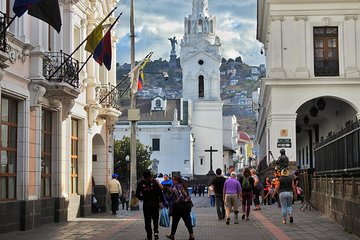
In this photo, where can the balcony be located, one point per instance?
(3, 44)
(62, 75)
(109, 99)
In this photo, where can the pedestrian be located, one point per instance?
(232, 190)
(230, 170)
(181, 204)
(298, 192)
(115, 192)
(195, 190)
(124, 199)
(218, 185)
(166, 182)
(149, 191)
(257, 189)
(286, 189)
(247, 188)
(267, 191)
(211, 195)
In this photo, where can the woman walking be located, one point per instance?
(286, 189)
(247, 185)
(181, 207)
(267, 191)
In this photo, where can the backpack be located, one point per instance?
(246, 184)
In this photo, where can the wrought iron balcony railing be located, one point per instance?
(3, 45)
(68, 72)
(109, 96)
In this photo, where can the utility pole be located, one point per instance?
(133, 116)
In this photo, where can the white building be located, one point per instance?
(309, 96)
(55, 133)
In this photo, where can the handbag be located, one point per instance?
(193, 219)
(298, 190)
(164, 218)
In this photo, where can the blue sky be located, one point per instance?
(158, 20)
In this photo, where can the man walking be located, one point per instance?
(218, 185)
(115, 192)
(149, 191)
(232, 190)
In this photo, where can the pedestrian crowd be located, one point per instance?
(229, 193)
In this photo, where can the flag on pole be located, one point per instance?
(45, 10)
(102, 53)
(94, 38)
(141, 80)
(135, 74)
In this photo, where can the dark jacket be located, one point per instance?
(150, 193)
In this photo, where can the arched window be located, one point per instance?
(201, 86)
(158, 103)
(211, 26)
(200, 26)
(189, 27)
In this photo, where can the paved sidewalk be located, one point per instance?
(264, 224)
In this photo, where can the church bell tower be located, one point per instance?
(200, 61)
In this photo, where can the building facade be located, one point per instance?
(56, 135)
(308, 102)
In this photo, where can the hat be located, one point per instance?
(115, 175)
(233, 174)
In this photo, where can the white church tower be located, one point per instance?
(200, 62)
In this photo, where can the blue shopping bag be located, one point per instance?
(164, 218)
(193, 219)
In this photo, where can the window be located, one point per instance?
(74, 156)
(46, 143)
(326, 62)
(201, 86)
(158, 103)
(155, 144)
(8, 167)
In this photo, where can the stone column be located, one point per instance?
(301, 69)
(282, 129)
(351, 69)
(276, 68)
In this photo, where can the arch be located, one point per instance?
(200, 26)
(189, 27)
(158, 103)
(201, 86)
(99, 158)
(211, 26)
(311, 96)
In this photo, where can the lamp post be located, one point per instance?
(127, 159)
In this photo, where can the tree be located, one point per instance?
(122, 149)
(238, 59)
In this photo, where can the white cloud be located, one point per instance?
(157, 20)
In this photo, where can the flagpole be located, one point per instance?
(77, 48)
(133, 117)
(8, 25)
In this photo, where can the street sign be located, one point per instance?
(284, 143)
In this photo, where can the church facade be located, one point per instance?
(197, 127)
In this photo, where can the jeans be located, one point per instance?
(212, 200)
(220, 208)
(286, 202)
(151, 213)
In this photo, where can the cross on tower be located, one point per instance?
(211, 150)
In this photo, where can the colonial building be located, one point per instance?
(56, 134)
(309, 101)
